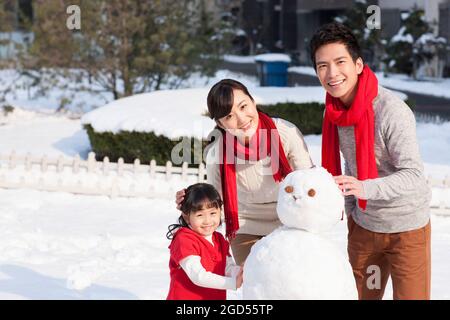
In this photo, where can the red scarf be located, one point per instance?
(266, 141)
(360, 115)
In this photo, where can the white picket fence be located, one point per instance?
(100, 169)
(111, 187)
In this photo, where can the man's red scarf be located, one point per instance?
(265, 142)
(360, 115)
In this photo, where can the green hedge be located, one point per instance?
(147, 146)
(306, 116)
(144, 146)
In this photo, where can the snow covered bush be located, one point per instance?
(413, 45)
(146, 146)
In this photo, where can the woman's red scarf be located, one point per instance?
(360, 115)
(265, 142)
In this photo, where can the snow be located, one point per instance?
(322, 271)
(64, 246)
(266, 57)
(118, 246)
(436, 87)
(303, 70)
(430, 37)
(26, 96)
(26, 131)
(273, 57)
(239, 59)
(402, 37)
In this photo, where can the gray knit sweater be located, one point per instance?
(399, 199)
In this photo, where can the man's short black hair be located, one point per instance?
(331, 33)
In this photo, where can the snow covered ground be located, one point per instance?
(64, 246)
(81, 247)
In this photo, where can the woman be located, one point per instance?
(250, 156)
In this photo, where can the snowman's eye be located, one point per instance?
(311, 192)
(289, 189)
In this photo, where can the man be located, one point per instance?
(387, 197)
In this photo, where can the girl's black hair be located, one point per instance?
(197, 197)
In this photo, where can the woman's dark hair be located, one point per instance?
(331, 33)
(197, 197)
(220, 97)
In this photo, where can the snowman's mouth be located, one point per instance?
(295, 198)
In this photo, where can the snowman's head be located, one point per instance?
(310, 200)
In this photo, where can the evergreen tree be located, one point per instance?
(125, 46)
(6, 26)
(413, 44)
(355, 17)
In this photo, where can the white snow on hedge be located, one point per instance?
(266, 57)
(273, 57)
(238, 59)
(177, 113)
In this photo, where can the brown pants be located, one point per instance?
(241, 245)
(404, 256)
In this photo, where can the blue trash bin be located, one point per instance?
(273, 69)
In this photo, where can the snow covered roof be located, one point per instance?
(177, 113)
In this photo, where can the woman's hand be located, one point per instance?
(240, 278)
(179, 198)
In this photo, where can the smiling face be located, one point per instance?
(337, 71)
(310, 200)
(203, 222)
(242, 121)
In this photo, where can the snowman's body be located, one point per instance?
(296, 261)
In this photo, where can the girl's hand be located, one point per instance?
(179, 198)
(240, 278)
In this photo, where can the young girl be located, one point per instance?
(201, 267)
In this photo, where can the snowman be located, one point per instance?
(295, 261)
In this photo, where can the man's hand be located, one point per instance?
(350, 186)
(179, 198)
